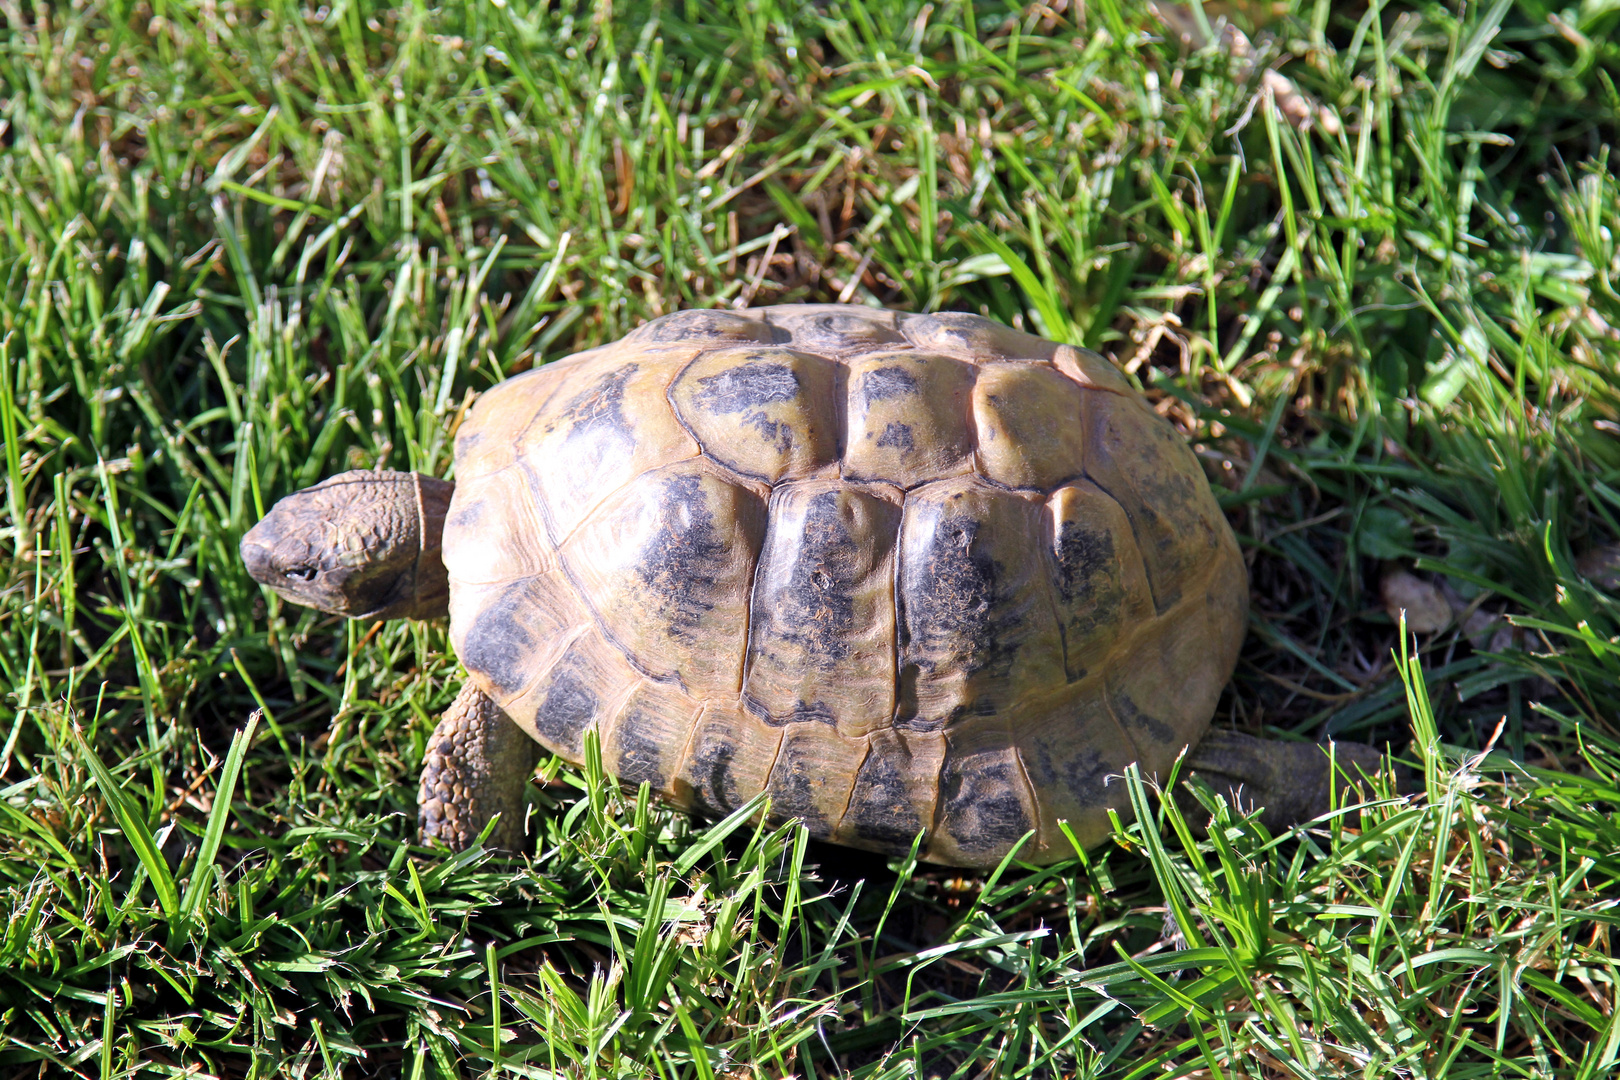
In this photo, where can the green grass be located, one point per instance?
(246, 247)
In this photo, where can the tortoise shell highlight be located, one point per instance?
(903, 572)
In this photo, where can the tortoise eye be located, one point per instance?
(301, 573)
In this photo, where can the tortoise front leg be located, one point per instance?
(477, 765)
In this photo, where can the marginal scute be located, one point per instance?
(974, 338)
(644, 737)
(607, 426)
(909, 418)
(486, 441)
(837, 329)
(1102, 588)
(821, 642)
(978, 621)
(895, 792)
(1029, 425)
(571, 690)
(985, 805)
(726, 763)
(1074, 754)
(814, 772)
(1134, 455)
(569, 695)
(1165, 689)
(706, 326)
(666, 565)
(1090, 370)
(509, 633)
(765, 413)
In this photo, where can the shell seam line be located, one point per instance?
(686, 747)
(1034, 800)
(855, 781)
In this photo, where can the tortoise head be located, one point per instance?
(363, 544)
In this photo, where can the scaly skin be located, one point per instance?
(1288, 779)
(476, 766)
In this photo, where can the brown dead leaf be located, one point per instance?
(1425, 606)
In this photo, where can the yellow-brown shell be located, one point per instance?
(903, 572)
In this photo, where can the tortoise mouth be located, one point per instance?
(286, 563)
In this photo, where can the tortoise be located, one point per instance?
(904, 573)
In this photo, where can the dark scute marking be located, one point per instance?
(776, 434)
(950, 601)
(905, 702)
(880, 809)
(805, 712)
(714, 787)
(466, 516)
(1137, 720)
(897, 435)
(883, 383)
(1088, 590)
(569, 706)
(1081, 555)
(681, 563)
(815, 607)
(640, 758)
(1083, 774)
(791, 791)
(498, 645)
(983, 812)
(802, 712)
(746, 386)
(598, 408)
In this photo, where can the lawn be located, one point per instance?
(1363, 255)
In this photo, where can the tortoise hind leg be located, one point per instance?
(477, 765)
(1290, 780)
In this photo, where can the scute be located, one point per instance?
(1029, 422)
(1102, 588)
(602, 429)
(985, 803)
(1090, 370)
(706, 326)
(1165, 690)
(727, 762)
(902, 573)
(665, 565)
(814, 772)
(895, 792)
(974, 337)
(909, 418)
(978, 622)
(837, 329)
(768, 414)
(644, 736)
(1137, 458)
(821, 639)
(1074, 753)
(494, 531)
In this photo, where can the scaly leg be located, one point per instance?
(1289, 779)
(477, 765)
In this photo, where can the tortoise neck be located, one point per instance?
(430, 580)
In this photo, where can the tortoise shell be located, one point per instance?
(901, 572)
